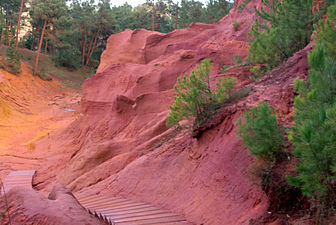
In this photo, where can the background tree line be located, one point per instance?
(75, 32)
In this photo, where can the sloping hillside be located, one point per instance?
(30, 109)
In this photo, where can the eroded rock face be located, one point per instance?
(27, 206)
(120, 144)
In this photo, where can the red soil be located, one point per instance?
(30, 109)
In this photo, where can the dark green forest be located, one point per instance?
(75, 32)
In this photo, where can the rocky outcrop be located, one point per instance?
(120, 144)
(25, 206)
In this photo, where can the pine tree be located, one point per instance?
(291, 25)
(314, 132)
(14, 58)
(195, 98)
(46, 11)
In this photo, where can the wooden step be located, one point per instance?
(149, 220)
(123, 211)
(107, 202)
(18, 178)
(110, 209)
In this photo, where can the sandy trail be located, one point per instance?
(30, 109)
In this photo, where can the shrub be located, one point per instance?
(224, 69)
(237, 59)
(67, 56)
(195, 99)
(235, 25)
(258, 72)
(261, 133)
(43, 75)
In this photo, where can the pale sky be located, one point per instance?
(137, 2)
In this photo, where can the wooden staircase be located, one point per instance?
(21, 178)
(111, 210)
(120, 211)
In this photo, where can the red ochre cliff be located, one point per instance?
(119, 143)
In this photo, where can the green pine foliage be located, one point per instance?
(261, 133)
(314, 132)
(287, 28)
(14, 59)
(195, 99)
(67, 56)
(235, 25)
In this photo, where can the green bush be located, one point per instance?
(235, 25)
(237, 59)
(261, 133)
(14, 59)
(67, 56)
(314, 132)
(224, 69)
(195, 99)
(258, 72)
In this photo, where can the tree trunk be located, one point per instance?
(176, 17)
(158, 24)
(33, 39)
(197, 13)
(153, 18)
(89, 49)
(53, 47)
(92, 47)
(39, 48)
(83, 49)
(18, 26)
(46, 42)
(1, 27)
(7, 24)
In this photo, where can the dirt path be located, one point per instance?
(29, 110)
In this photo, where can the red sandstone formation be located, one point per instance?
(120, 144)
(30, 207)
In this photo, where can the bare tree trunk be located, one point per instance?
(91, 48)
(18, 26)
(33, 39)
(153, 18)
(46, 42)
(53, 47)
(83, 49)
(197, 13)
(1, 31)
(39, 48)
(7, 24)
(176, 17)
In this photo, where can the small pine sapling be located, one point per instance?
(261, 132)
(195, 100)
